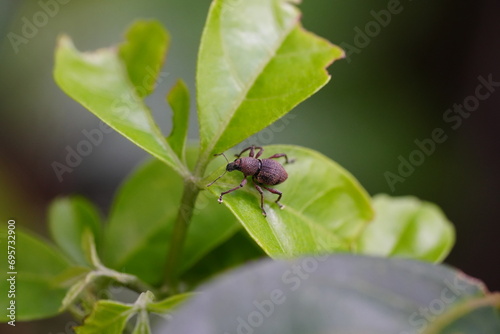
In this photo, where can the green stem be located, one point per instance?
(76, 312)
(139, 286)
(191, 191)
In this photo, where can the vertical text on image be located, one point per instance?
(11, 271)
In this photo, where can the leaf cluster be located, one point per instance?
(256, 63)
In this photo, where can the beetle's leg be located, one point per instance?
(259, 189)
(277, 192)
(279, 155)
(251, 154)
(246, 149)
(260, 151)
(242, 184)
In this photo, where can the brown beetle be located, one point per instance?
(264, 172)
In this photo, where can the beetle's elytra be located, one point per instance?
(264, 172)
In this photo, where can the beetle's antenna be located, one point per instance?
(216, 155)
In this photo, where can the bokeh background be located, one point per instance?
(394, 91)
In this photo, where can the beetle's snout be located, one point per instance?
(235, 165)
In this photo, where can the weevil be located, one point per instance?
(264, 172)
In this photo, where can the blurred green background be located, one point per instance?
(394, 91)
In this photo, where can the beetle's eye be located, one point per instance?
(235, 165)
(230, 167)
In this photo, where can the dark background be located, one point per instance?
(393, 92)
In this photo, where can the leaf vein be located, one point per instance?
(246, 88)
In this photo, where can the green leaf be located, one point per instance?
(107, 317)
(169, 304)
(178, 99)
(141, 222)
(143, 54)
(70, 276)
(255, 64)
(100, 82)
(472, 316)
(37, 264)
(407, 227)
(326, 208)
(338, 294)
(68, 219)
(111, 317)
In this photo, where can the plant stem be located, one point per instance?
(76, 312)
(189, 195)
(139, 286)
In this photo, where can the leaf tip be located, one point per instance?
(63, 40)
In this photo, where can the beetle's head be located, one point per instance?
(235, 165)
